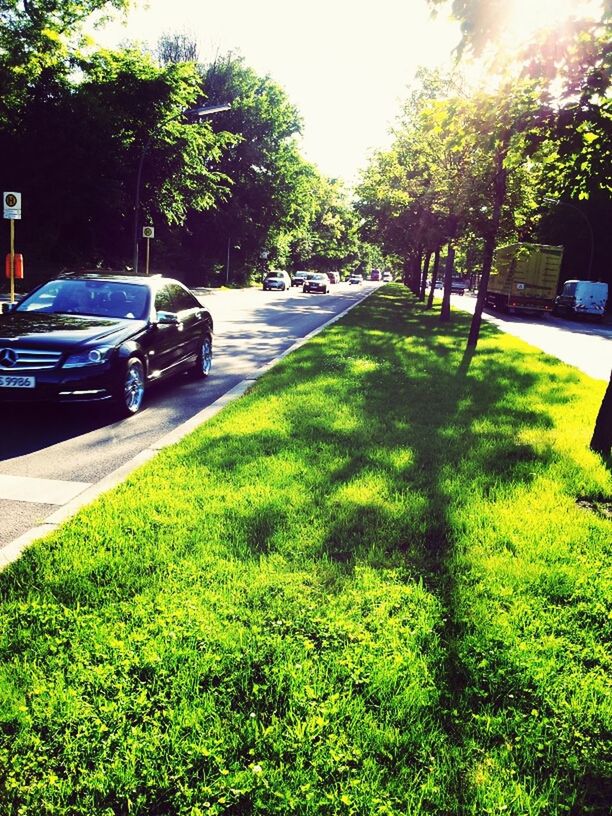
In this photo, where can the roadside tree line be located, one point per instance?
(228, 195)
(472, 167)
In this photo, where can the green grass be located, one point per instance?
(368, 587)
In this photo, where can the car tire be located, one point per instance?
(204, 360)
(130, 393)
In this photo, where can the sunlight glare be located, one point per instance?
(524, 18)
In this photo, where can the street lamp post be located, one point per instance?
(558, 203)
(192, 112)
(227, 263)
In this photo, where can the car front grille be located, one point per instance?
(17, 359)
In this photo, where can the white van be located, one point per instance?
(582, 298)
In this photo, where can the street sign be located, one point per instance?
(12, 206)
(148, 232)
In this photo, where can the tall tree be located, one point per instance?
(177, 47)
(269, 177)
(38, 38)
(78, 172)
(329, 238)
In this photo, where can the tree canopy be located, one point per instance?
(93, 133)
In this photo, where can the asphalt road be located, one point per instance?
(48, 455)
(581, 343)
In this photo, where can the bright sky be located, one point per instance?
(345, 64)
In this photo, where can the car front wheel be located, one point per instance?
(132, 388)
(204, 359)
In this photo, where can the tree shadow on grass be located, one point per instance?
(389, 443)
(466, 423)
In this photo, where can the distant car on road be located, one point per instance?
(297, 279)
(458, 286)
(387, 277)
(316, 282)
(277, 280)
(356, 278)
(101, 337)
(375, 275)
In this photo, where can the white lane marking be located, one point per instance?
(39, 491)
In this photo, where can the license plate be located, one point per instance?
(14, 381)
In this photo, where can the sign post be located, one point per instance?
(12, 211)
(148, 233)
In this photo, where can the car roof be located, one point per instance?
(119, 277)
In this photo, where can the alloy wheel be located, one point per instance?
(133, 386)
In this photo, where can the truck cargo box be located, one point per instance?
(524, 278)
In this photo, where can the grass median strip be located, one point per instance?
(372, 586)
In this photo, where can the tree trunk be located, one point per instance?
(445, 313)
(415, 274)
(501, 180)
(406, 272)
(434, 277)
(424, 274)
(602, 435)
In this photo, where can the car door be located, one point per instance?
(567, 297)
(180, 324)
(193, 323)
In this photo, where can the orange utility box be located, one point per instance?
(18, 266)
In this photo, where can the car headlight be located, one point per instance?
(89, 357)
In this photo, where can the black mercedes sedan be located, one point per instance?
(95, 337)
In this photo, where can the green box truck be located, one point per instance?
(524, 278)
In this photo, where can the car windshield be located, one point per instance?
(98, 298)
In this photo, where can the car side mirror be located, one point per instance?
(7, 307)
(167, 318)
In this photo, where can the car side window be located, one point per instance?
(174, 298)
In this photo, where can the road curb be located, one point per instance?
(12, 551)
